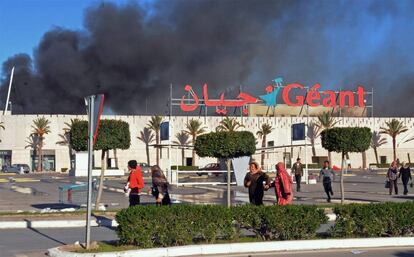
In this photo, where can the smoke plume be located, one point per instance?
(132, 53)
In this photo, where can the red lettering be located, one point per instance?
(285, 95)
(361, 93)
(313, 94)
(330, 100)
(342, 98)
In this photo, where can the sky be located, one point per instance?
(138, 48)
(23, 22)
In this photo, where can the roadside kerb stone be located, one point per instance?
(245, 248)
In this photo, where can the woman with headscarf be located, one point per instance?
(405, 175)
(283, 185)
(159, 187)
(392, 177)
(257, 181)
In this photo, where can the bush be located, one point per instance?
(374, 220)
(231, 144)
(151, 226)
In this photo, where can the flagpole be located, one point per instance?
(8, 92)
(90, 103)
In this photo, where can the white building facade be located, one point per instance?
(15, 144)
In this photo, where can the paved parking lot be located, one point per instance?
(40, 191)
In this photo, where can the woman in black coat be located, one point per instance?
(405, 175)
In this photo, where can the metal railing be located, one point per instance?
(75, 194)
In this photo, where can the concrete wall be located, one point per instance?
(18, 128)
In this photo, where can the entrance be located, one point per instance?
(5, 158)
(48, 161)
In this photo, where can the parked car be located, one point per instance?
(16, 168)
(144, 167)
(210, 166)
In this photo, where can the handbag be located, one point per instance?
(411, 184)
(387, 184)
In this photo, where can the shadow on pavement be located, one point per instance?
(54, 206)
(43, 234)
(405, 254)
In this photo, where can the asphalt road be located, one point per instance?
(35, 242)
(389, 252)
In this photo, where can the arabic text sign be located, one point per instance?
(313, 97)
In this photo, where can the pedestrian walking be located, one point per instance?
(283, 185)
(135, 183)
(392, 177)
(159, 187)
(257, 181)
(327, 176)
(297, 169)
(405, 175)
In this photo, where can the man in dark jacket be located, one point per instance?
(297, 169)
(405, 175)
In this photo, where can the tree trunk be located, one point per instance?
(101, 179)
(183, 157)
(70, 157)
(342, 180)
(376, 155)
(116, 158)
(228, 162)
(263, 151)
(157, 148)
(393, 148)
(193, 161)
(313, 148)
(364, 160)
(330, 158)
(147, 152)
(40, 153)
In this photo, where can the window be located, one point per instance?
(270, 143)
(383, 159)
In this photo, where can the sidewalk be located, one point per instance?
(57, 220)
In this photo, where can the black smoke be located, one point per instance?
(132, 53)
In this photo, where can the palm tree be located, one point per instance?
(194, 128)
(326, 121)
(40, 128)
(155, 125)
(265, 130)
(313, 133)
(377, 141)
(65, 138)
(393, 129)
(2, 126)
(32, 143)
(229, 124)
(182, 140)
(147, 137)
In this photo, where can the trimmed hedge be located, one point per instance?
(151, 226)
(374, 220)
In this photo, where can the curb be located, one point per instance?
(56, 224)
(242, 248)
(75, 223)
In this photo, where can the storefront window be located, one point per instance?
(5, 158)
(48, 160)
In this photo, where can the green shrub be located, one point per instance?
(184, 168)
(151, 226)
(280, 223)
(374, 220)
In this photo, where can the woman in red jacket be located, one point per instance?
(283, 185)
(135, 181)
